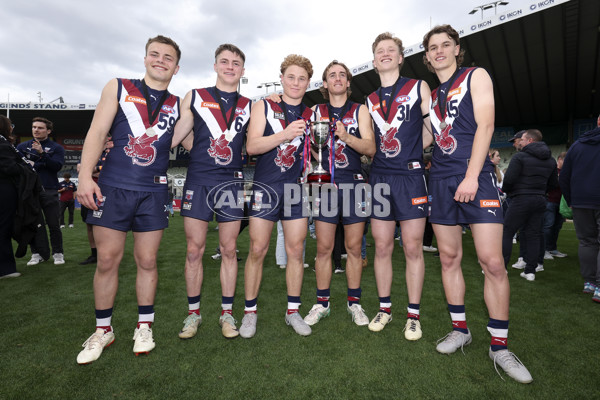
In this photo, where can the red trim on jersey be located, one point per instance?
(324, 111)
(457, 82)
(306, 115)
(276, 109)
(205, 95)
(142, 109)
(404, 90)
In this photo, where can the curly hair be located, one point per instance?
(298, 60)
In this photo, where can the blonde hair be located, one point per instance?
(298, 60)
(388, 36)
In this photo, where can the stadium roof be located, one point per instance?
(544, 59)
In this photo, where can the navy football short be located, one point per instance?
(398, 197)
(130, 210)
(226, 201)
(485, 208)
(349, 202)
(280, 201)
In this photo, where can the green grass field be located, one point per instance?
(48, 312)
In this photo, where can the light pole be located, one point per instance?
(266, 85)
(487, 6)
(244, 81)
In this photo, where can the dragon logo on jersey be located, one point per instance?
(141, 150)
(445, 141)
(285, 157)
(390, 146)
(219, 150)
(341, 159)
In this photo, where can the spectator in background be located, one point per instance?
(428, 234)
(520, 264)
(365, 166)
(553, 221)
(530, 174)
(67, 199)
(495, 159)
(280, 253)
(9, 178)
(581, 187)
(170, 205)
(47, 158)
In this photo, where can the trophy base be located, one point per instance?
(319, 178)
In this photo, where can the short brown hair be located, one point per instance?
(49, 124)
(534, 134)
(232, 48)
(322, 89)
(165, 40)
(298, 60)
(448, 30)
(388, 36)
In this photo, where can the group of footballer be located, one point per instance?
(399, 120)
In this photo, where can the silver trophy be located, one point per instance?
(319, 135)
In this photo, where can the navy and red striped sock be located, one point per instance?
(499, 331)
(385, 304)
(459, 318)
(354, 296)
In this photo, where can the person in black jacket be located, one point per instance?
(581, 187)
(47, 158)
(530, 174)
(9, 175)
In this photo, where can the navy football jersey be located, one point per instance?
(399, 138)
(284, 163)
(140, 157)
(454, 143)
(217, 152)
(347, 160)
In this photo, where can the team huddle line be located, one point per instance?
(399, 120)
